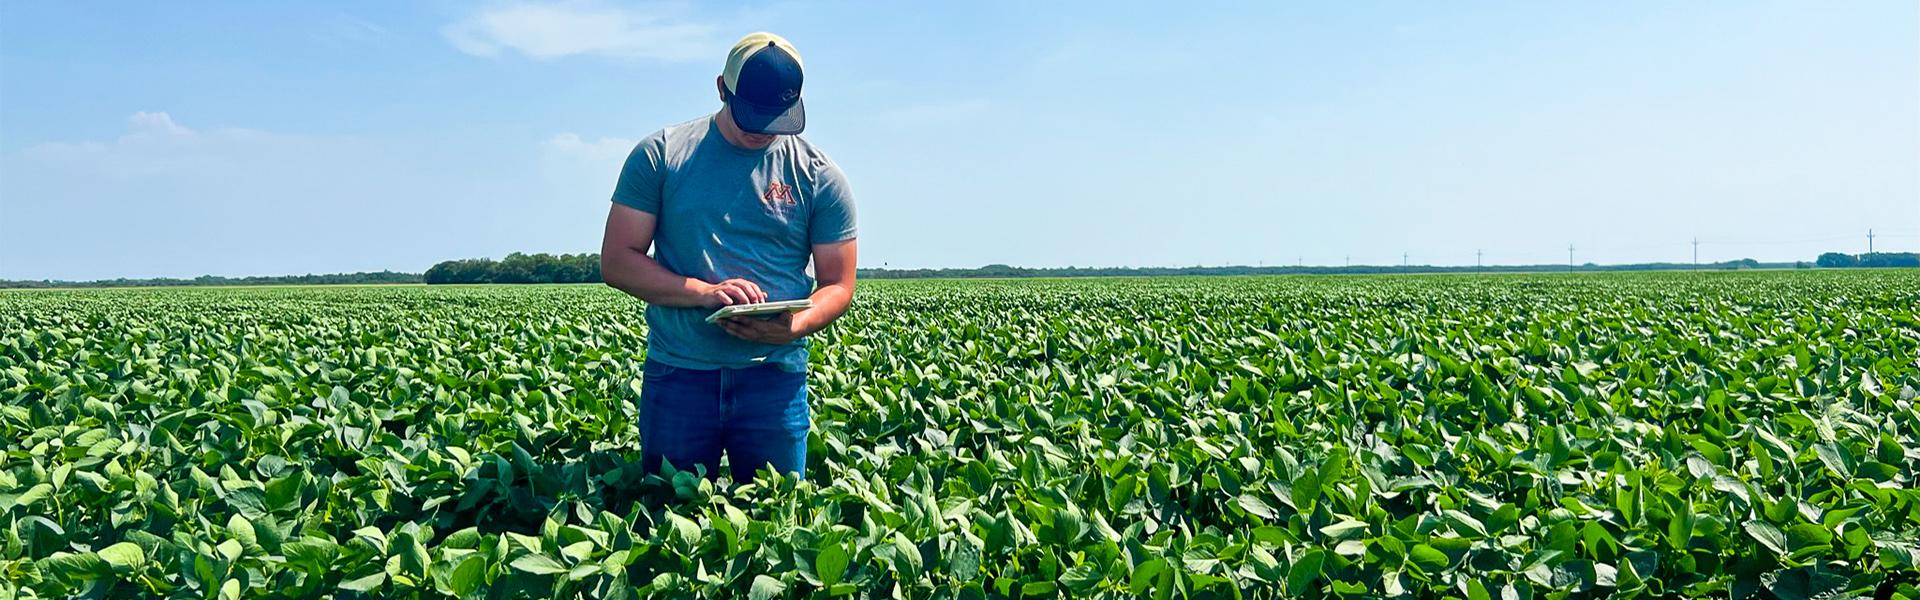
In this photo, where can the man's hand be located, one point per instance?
(731, 292)
(778, 330)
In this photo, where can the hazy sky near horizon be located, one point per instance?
(248, 138)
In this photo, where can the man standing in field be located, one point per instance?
(733, 204)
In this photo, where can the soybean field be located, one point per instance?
(1724, 434)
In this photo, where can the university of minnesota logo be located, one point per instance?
(778, 194)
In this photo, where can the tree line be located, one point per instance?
(1836, 260)
(519, 268)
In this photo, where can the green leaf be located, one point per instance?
(1081, 578)
(123, 557)
(1808, 540)
(248, 502)
(538, 564)
(1835, 459)
(1306, 490)
(365, 583)
(231, 550)
(284, 493)
(1477, 590)
(1503, 518)
(310, 552)
(1255, 506)
(26, 498)
(684, 530)
(830, 564)
(1144, 576)
(468, 576)
(1305, 570)
(1033, 589)
(73, 566)
(239, 528)
(1769, 536)
(765, 588)
(1465, 524)
(1428, 558)
(1344, 529)
(907, 557)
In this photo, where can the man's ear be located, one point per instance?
(720, 82)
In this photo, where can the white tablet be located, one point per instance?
(763, 308)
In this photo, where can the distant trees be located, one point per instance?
(1890, 259)
(519, 268)
(1836, 260)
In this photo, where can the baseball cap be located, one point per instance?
(763, 79)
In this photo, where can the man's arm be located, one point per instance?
(834, 266)
(625, 266)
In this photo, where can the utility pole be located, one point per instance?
(1569, 257)
(1349, 260)
(1696, 251)
(1403, 260)
(1869, 241)
(1476, 259)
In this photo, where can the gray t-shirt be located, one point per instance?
(725, 212)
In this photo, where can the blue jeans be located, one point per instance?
(757, 415)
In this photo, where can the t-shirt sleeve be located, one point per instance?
(643, 176)
(832, 205)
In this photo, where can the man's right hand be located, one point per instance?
(731, 292)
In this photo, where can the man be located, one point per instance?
(733, 204)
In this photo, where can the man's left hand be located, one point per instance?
(777, 330)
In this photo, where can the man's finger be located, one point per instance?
(753, 292)
(753, 289)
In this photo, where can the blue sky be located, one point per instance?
(161, 139)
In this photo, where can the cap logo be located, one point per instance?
(789, 95)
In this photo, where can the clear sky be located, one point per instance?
(145, 139)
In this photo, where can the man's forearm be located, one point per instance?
(642, 277)
(829, 302)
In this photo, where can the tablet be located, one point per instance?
(763, 308)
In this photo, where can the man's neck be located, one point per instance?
(733, 134)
